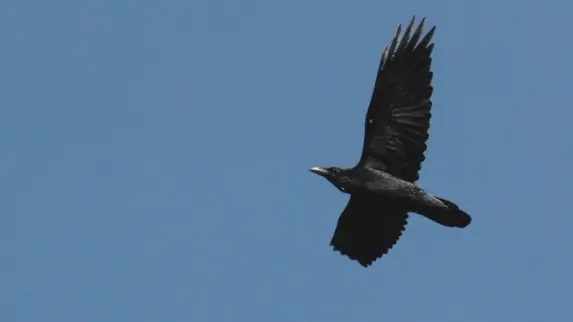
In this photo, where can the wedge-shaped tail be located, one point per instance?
(451, 216)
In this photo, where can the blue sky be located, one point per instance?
(155, 155)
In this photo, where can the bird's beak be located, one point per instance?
(318, 170)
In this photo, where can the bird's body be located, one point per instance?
(382, 185)
(372, 181)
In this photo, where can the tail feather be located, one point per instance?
(453, 217)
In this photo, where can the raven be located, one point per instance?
(382, 185)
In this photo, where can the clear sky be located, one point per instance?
(155, 154)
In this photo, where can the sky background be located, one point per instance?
(155, 154)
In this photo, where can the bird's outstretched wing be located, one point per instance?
(398, 118)
(368, 228)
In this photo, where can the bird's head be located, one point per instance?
(337, 176)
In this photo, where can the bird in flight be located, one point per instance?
(382, 186)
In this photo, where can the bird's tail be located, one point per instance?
(453, 216)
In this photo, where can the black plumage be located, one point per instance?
(382, 185)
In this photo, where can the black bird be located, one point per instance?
(382, 185)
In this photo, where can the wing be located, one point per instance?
(398, 117)
(367, 229)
